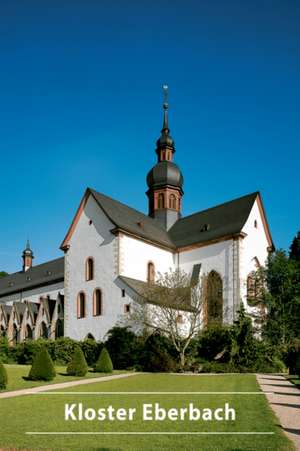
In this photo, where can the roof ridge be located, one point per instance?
(218, 205)
(153, 220)
(32, 267)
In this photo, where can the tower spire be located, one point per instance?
(166, 107)
(165, 146)
(165, 179)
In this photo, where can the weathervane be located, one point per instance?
(166, 96)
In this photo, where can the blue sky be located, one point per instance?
(80, 105)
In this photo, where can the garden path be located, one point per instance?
(62, 385)
(284, 399)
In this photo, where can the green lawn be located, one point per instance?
(16, 373)
(45, 413)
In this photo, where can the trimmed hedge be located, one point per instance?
(77, 366)
(42, 367)
(104, 363)
(3, 377)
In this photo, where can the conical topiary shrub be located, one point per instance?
(77, 365)
(104, 363)
(3, 377)
(42, 367)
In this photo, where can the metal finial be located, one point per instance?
(166, 96)
(27, 244)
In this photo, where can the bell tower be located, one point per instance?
(165, 180)
(27, 257)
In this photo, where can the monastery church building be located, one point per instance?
(112, 250)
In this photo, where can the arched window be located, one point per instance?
(214, 298)
(255, 287)
(172, 201)
(90, 337)
(97, 302)
(16, 335)
(89, 269)
(151, 272)
(59, 328)
(81, 305)
(28, 332)
(44, 330)
(161, 201)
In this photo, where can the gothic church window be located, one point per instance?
(214, 298)
(254, 287)
(89, 269)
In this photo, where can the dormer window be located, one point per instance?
(205, 228)
(89, 269)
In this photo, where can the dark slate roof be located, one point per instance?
(133, 221)
(140, 289)
(213, 223)
(40, 275)
(223, 220)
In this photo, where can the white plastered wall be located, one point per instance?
(136, 254)
(93, 240)
(254, 246)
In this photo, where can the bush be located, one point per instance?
(104, 363)
(157, 355)
(77, 366)
(123, 347)
(3, 377)
(91, 350)
(291, 354)
(62, 349)
(4, 350)
(213, 340)
(42, 367)
(23, 353)
(297, 365)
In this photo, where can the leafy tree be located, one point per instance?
(3, 377)
(42, 367)
(243, 352)
(3, 274)
(172, 306)
(295, 248)
(77, 366)
(282, 298)
(104, 363)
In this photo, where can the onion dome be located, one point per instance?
(165, 173)
(28, 251)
